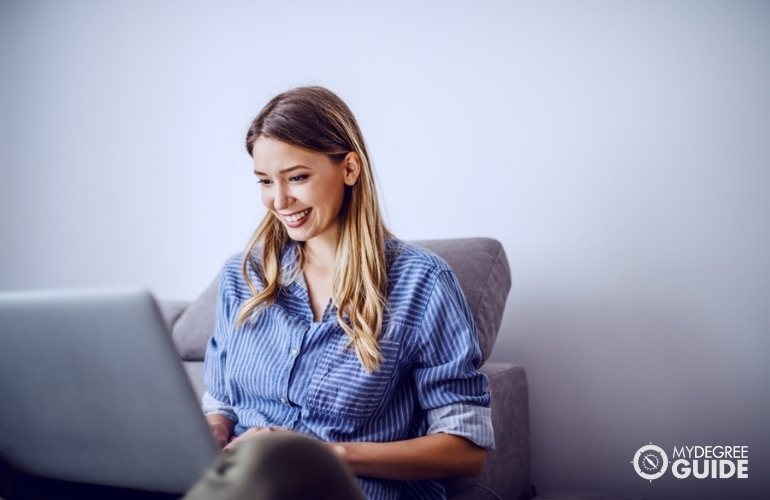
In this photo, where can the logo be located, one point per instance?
(650, 462)
(697, 462)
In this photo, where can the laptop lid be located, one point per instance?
(92, 390)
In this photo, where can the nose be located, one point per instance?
(282, 198)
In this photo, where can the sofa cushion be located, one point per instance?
(480, 265)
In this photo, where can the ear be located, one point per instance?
(352, 166)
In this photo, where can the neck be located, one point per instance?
(320, 254)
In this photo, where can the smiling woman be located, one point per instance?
(329, 327)
(304, 188)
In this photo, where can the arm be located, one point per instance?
(220, 414)
(451, 391)
(428, 457)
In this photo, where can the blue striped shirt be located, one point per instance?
(284, 369)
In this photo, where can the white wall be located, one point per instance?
(619, 150)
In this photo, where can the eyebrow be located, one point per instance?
(284, 171)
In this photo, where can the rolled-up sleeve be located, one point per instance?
(211, 406)
(472, 422)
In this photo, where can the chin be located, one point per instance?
(298, 236)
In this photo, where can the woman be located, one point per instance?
(330, 327)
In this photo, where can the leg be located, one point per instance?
(277, 466)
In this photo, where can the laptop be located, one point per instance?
(92, 390)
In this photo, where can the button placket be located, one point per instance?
(297, 334)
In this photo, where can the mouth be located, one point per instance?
(297, 217)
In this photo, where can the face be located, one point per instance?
(303, 189)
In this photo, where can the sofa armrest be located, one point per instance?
(194, 371)
(171, 310)
(506, 474)
(190, 325)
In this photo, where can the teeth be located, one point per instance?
(298, 216)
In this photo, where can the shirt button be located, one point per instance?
(294, 351)
(283, 400)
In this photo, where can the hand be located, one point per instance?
(221, 433)
(250, 433)
(339, 451)
(221, 427)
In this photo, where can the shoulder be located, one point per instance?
(233, 265)
(408, 259)
(232, 272)
(416, 277)
(231, 283)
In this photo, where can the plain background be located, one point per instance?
(620, 151)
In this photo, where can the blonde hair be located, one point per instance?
(314, 118)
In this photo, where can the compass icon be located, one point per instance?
(650, 462)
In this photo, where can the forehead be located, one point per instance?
(271, 155)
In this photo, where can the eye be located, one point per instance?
(264, 182)
(298, 178)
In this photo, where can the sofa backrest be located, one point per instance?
(480, 265)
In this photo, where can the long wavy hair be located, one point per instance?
(316, 119)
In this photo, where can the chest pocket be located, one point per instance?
(341, 387)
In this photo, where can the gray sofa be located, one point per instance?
(482, 268)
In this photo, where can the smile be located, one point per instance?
(293, 218)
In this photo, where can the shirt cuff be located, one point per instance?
(211, 405)
(472, 422)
